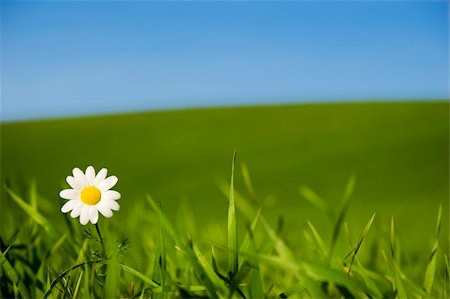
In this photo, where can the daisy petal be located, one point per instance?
(90, 175)
(113, 205)
(111, 194)
(79, 175)
(84, 216)
(69, 205)
(76, 210)
(74, 183)
(104, 209)
(69, 194)
(108, 183)
(93, 214)
(101, 175)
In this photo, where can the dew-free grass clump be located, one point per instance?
(253, 260)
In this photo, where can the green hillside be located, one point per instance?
(398, 153)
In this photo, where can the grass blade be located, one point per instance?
(41, 220)
(12, 275)
(361, 239)
(77, 287)
(368, 278)
(430, 271)
(139, 275)
(316, 200)
(318, 239)
(439, 221)
(256, 278)
(342, 212)
(63, 275)
(32, 212)
(248, 238)
(392, 238)
(338, 277)
(216, 268)
(232, 229)
(159, 269)
(112, 276)
(308, 270)
(257, 283)
(187, 250)
(244, 207)
(446, 276)
(431, 267)
(209, 271)
(279, 244)
(248, 181)
(292, 290)
(86, 289)
(399, 288)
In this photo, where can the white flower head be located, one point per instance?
(90, 194)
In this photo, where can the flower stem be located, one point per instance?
(101, 239)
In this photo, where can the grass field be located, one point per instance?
(397, 153)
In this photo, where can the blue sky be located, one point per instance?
(76, 58)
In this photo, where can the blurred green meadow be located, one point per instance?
(287, 156)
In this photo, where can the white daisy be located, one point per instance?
(90, 194)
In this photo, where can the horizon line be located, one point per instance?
(222, 106)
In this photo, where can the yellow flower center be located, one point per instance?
(90, 195)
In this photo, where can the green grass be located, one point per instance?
(296, 228)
